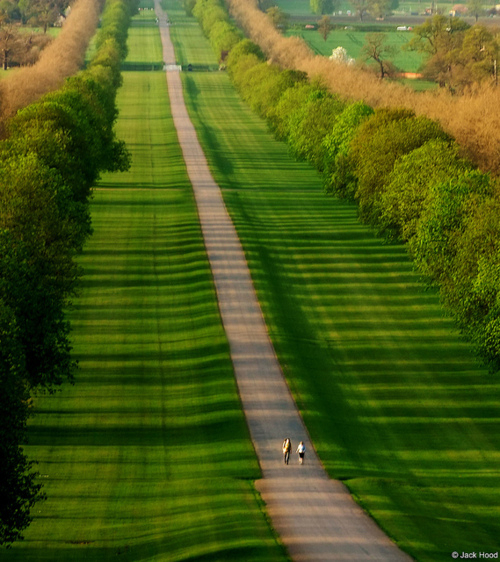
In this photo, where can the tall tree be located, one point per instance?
(437, 34)
(377, 49)
(325, 27)
(440, 38)
(475, 61)
(10, 43)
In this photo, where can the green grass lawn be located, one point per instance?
(147, 457)
(395, 403)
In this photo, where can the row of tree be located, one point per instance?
(405, 173)
(52, 155)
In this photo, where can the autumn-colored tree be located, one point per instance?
(325, 27)
(11, 43)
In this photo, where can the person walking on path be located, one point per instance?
(301, 449)
(287, 449)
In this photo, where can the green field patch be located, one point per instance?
(353, 41)
(145, 51)
(396, 404)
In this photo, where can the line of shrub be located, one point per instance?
(51, 157)
(405, 173)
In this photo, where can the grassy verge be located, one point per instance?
(396, 405)
(147, 457)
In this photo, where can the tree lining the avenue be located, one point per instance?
(53, 152)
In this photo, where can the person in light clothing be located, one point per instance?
(287, 449)
(301, 449)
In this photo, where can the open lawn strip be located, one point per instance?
(395, 403)
(147, 456)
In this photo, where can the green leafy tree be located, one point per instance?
(189, 6)
(37, 270)
(439, 38)
(475, 61)
(19, 489)
(223, 37)
(282, 116)
(381, 141)
(473, 294)
(436, 34)
(338, 171)
(412, 185)
(310, 123)
(450, 201)
(209, 12)
(264, 84)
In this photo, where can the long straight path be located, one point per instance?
(315, 517)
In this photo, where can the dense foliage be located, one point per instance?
(54, 152)
(405, 173)
(458, 56)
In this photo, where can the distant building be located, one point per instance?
(458, 10)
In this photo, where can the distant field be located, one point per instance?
(302, 7)
(147, 457)
(396, 405)
(353, 41)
